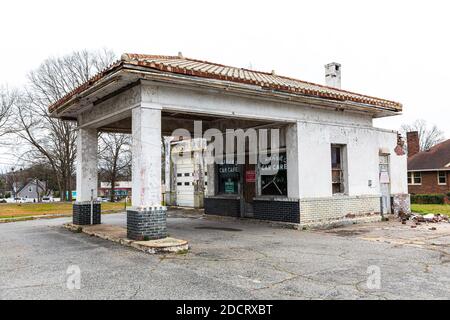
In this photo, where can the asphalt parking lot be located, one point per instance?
(229, 259)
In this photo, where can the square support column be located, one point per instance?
(147, 218)
(85, 211)
(292, 154)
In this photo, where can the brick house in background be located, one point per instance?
(428, 171)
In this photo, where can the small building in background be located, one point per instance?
(429, 170)
(33, 190)
(122, 189)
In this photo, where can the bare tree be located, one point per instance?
(428, 137)
(7, 100)
(50, 139)
(114, 157)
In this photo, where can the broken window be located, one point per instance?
(274, 184)
(338, 173)
(442, 177)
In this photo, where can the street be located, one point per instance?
(229, 259)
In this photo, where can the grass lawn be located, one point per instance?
(443, 209)
(12, 210)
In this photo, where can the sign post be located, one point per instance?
(92, 206)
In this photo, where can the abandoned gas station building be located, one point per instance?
(333, 164)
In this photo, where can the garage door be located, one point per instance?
(185, 185)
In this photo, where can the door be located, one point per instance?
(385, 184)
(185, 185)
(249, 189)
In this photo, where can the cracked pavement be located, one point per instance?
(229, 259)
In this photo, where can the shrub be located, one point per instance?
(448, 195)
(427, 198)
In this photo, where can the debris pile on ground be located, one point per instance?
(434, 218)
(417, 219)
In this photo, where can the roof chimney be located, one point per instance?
(412, 139)
(333, 75)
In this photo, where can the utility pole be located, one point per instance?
(37, 189)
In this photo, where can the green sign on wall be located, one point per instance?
(229, 186)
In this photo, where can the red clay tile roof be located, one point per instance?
(204, 69)
(438, 157)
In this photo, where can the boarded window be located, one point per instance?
(338, 173)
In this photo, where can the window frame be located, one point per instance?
(220, 191)
(413, 176)
(281, 174)
(445, 178)
(343, 169)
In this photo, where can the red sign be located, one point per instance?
(250, 176)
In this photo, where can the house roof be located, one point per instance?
(41, 184)
(436, 158)
(203, 69)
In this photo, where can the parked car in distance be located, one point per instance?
(47, 199)
(22, 200)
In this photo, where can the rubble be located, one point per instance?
(427, 218)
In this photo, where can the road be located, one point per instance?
(228, 260)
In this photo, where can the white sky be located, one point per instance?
(397, 50)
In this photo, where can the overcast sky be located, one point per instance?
(398, 50)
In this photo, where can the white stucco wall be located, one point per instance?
(362, 144)
(223, 104)
(87, 143)
(317, 129)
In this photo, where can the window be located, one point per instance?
(179, 175)
(338, 173)
(229, 177)
(179, 184)
(414, 178)
(274, 184)
(30, 189)
(186, 174)
(442, 177)
(186, 183)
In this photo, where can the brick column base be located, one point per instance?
(82, 213)
(147, 223)
(401, 204)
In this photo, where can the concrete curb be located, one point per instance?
(166, 245)
(41, 217)
(47, 216)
